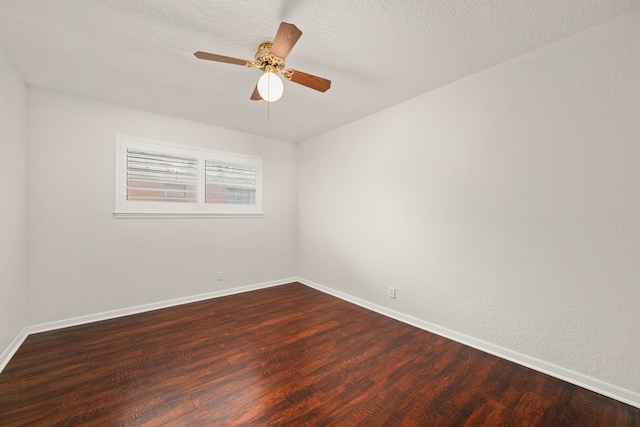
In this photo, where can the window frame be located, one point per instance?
(156, 209)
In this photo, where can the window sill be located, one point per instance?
(185, 215)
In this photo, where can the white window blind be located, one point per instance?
(230, 183)
(158, 179)
(161, 177)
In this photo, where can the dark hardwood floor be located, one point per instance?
(283, 356)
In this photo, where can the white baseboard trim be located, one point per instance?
(618, 393)
(81, 320)
(627, 396)
(8, 353)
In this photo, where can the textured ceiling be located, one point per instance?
(377, 53)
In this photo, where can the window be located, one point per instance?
(157, 179)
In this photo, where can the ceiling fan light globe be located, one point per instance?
(270, 87)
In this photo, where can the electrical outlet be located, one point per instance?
(392, 292)
(220, 275)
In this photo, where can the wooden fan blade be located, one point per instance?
(308, 80)
(220, 58)
(286, 38)
(255, 96)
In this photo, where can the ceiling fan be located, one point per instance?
(270, 59)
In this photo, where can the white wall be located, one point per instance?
(82, 261)
(505, 206)
(13, 139)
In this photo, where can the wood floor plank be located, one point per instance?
(288, 355)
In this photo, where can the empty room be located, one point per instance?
(320, 213)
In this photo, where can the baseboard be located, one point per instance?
(81, 320)
(601, 387)
(623, 395)
(8, 353)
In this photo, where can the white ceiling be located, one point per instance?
(377, 53)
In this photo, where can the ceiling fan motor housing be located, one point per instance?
(267, 61)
